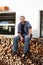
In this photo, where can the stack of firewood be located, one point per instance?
(8, 58)
(36, 49)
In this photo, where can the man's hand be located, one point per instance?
(21, 39)
(28, 35)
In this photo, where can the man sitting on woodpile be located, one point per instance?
(24, 33)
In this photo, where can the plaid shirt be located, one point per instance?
(26, 27)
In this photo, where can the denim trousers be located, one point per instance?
(26, 42)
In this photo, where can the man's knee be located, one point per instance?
(26, 37)
(16, 38)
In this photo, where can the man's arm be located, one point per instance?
(19, 32)
(21, 38)
(29, 31)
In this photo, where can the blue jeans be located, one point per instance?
(26, 43)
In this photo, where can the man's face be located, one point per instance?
(22, 19)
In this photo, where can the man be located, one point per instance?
(24, 33)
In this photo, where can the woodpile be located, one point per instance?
(8, 58)
(36, 49)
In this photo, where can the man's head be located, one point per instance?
(22, 19)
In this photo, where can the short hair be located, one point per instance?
(23, 16)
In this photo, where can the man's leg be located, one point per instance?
(15, 44)
(26, 43)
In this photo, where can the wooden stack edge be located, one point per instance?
(4, 8)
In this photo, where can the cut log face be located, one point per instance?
(8, 58)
